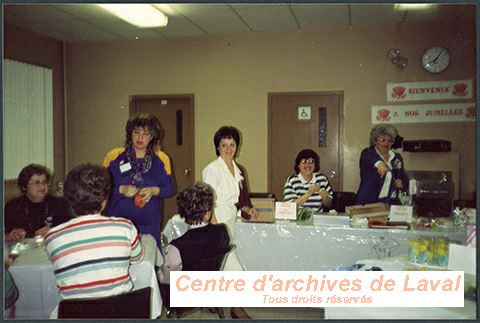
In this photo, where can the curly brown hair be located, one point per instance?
(148, 122)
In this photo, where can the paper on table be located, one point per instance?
(285, 210)
(400, 213)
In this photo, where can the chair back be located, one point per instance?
(214, 263)
(342, 200)
(134, 304)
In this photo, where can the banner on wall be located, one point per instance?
(437, 90)
(421, 113)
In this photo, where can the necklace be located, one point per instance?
(48, 218)
(139, 168)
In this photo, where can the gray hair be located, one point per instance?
(382, 129)
(195, 201)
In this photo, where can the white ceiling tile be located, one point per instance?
(213, 18)
(437, 13)
(375, 14)
(267, 18)
(37, 12)
(321, 15)
(199, 9)
(179, 26)
(84, 30)
(120, 28)
(83, 22)
(83, 10)
(52, 33)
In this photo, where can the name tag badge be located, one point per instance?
(125, 167)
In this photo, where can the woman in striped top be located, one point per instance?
(307, 187)
(91, 253)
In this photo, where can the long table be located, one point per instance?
(33, 274)
(288, 246)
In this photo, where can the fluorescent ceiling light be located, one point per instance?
(413, 6)
(140, 15)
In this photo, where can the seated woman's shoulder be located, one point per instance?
(221, 228)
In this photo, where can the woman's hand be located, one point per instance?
(128, 190)
(251, 211)
(323, 194)
(399, 183)
(16, 234)
(42, 231)
(326, 200)
(148, 192)
(313, 189)
(382, 169)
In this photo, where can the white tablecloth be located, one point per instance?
(288, 246)
(33, 275)
(424, 313)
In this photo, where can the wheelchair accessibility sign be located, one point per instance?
(304, 113)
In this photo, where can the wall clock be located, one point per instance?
(435, 59)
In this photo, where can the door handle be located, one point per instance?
(188, 171)
(333, 174)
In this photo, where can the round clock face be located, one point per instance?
(435, 59)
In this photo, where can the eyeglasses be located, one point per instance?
(383, 139)
(307, 161)
(138, 132)
(38, 183)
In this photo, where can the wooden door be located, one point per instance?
(304, 121)
(175, 113)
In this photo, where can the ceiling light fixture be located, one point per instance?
(140, 15)
(413, 6)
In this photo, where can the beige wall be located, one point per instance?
(232, 75)
(29, 47)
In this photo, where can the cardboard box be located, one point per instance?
(266, 209)
(368, 210)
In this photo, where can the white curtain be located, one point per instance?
(27, 117)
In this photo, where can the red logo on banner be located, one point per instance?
(383, 115)
(398, 92)
(460, 89)
(471, 112)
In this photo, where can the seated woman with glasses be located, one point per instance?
(35, 211)
(307, 187)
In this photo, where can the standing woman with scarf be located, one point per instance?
(141, 175)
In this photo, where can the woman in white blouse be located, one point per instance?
(230, 184)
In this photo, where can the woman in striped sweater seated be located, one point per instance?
(91, 253)
(307, 187)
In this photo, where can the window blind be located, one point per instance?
(27, 117)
